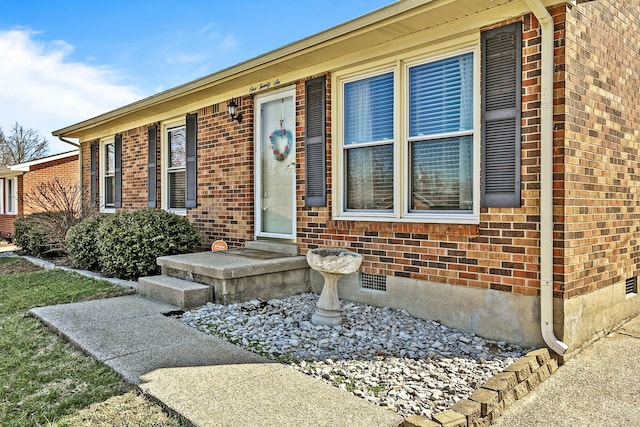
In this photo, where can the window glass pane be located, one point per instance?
(441, 174)
(10, 196)
(368, 109)
(109, 191)
(109, 158)
(441, 96)
(370, 178)
(177, 189)
(177, 147)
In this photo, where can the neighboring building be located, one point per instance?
(483, 157)
(16, 180)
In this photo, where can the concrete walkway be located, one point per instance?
(599, 387)
(212, 382)
(205, 379)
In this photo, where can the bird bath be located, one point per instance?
(332, 264)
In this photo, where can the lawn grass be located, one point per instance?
(43, 379)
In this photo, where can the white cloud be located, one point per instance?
(229, 42)
(41, 88)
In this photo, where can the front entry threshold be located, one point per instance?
(273, 246)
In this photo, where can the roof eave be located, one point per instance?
(306, 45)
(292, 48)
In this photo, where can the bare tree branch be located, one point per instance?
(21, 145)
(59, 205)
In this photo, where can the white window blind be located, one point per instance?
(369, 109)
(441, 96)
(109, 175)
(441, 160)
(176, 172)
(369, 119)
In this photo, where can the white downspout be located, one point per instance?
(546, 178)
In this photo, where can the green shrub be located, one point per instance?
(130, 241)
(82, 243)
(29, 234)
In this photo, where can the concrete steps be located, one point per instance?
(256, 272)
(171, 290)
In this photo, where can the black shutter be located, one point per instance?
(501, 115)
(152, 177)
(117, 202)
(93, 183)
(315, 159)
(192, 139)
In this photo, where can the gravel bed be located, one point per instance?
(386, 356)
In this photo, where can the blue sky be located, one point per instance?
(67, 61)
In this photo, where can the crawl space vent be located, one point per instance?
(631, 285)
(373, 282)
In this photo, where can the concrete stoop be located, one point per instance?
(226, 277)
(489, 402)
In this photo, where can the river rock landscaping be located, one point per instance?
(386, 356)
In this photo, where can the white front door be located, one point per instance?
(276, 165)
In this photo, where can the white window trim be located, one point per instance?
(164, 164)
(401, 144)
(103, 163)
(2, 183)
(13, 195)
(381, 215)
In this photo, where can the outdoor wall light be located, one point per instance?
(233, 111)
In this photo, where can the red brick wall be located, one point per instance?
(64, 169)
(595, 196)
(86, 170)
(6, 225)
(601, 149)
(225, 175)
(134, 168)
(501, 253)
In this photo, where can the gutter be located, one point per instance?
(546, 178)
(68, 141)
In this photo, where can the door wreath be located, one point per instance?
(281, 138)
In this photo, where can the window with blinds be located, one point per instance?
(441, 135)
(368, 143)
(109, 156)
(429, 169)
(176, 168)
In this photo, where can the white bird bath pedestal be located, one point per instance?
(332, 264)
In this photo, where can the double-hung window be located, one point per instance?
(369, 143)
(11, 196)
(440, 137)
(425, 169)
(176, 158)
(108, 177)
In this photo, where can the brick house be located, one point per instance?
(22, 178)
(481, 156)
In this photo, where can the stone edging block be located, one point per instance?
(488, 403)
